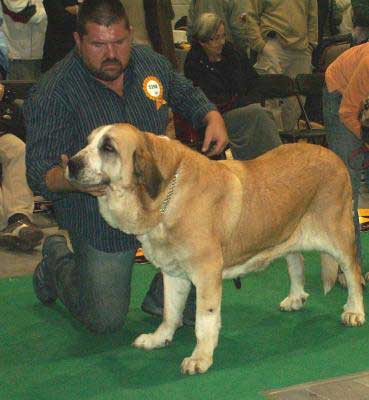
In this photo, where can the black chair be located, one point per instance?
(11, 117)
(281, 86)
(309, 86)
(18, 88)
(329, 49)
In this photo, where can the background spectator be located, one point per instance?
(16, 199)
(229, 11)
(24, 24)
(61, 23)
(283, 33)
(360, 20)
(226, 77)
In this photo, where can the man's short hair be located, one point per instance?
(101, 12)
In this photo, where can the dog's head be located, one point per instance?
(116, 154)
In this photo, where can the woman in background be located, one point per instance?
(227, 77)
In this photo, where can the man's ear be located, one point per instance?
(131, 33)
(77, 39)
(146, 172)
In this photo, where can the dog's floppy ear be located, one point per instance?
(146, 171)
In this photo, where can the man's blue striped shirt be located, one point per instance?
(68, 103)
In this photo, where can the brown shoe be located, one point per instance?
(22, 235)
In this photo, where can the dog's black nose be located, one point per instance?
(75, 165)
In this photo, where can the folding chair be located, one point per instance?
(307, 85)
(273, 86)
(329, 49)
(19, 88)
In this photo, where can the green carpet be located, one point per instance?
(45, 355)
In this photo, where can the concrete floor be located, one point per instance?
(350, 387)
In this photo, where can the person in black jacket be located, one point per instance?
(61, 23)
(228, 79)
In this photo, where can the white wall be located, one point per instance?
(180, 8)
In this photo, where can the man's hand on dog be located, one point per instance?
(93, 190)
(216, 137)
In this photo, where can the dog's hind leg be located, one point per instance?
(329, 271)
(297, 295)
(339, 243)
(175, 295)
(208, 321)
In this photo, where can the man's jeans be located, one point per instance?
(93, 285)
(343, 143)
(252, 131)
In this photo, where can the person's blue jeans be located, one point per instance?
(343, 142)
(93, 285)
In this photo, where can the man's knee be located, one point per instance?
(106, 322)
(254, 109)
(15, 147)
(254, 115)
(259, 113)
(239, 120)
(107, 313)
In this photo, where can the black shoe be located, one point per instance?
(153, 303)
(43, 280)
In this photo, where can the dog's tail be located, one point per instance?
(329, 271)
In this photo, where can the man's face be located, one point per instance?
(105, 50)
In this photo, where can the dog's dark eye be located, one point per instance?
(108, 147)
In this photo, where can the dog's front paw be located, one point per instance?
(350, 318)
(149, 341)
(195, 365)
(293, 303)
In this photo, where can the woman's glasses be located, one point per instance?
(217, 38)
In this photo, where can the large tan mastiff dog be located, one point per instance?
(201, 221)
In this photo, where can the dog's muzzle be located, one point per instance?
(75, 165)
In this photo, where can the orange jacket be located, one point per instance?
(349, 74)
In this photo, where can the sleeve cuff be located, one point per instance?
(36, 179)
(198, 117)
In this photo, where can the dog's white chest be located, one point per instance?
(161, 253)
